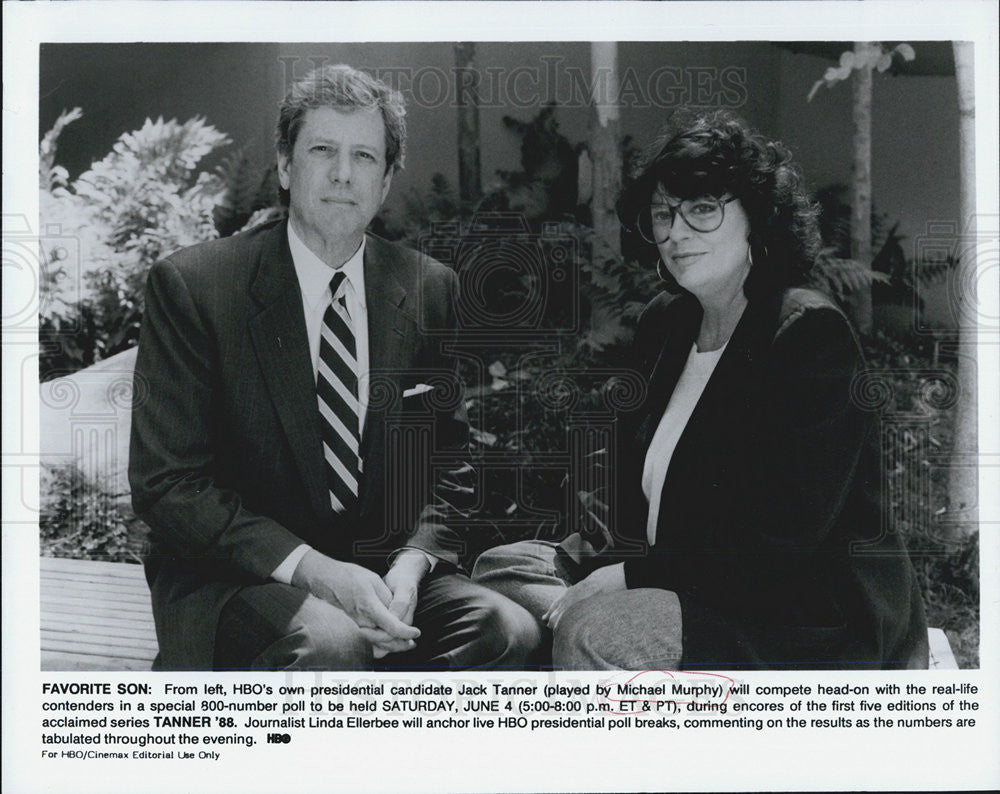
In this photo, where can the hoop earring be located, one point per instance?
(660, 272)
(750, 253)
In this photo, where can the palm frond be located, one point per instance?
(841, 278)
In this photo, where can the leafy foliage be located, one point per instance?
(80, 518)
(546, 186)
(248, 196)
(947, 568)
(146, 193)
(49, 175)
(841, 278)
(893, 277)
(421, 211)
(139, 203)
(835, 221)
(876, 56)
(631, 287)
(949, 581)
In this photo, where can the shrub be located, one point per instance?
(142, 201)
(949, 580)
(80, 518)
(947, 567)
(892, 277)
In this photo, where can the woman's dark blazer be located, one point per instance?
(770, 528)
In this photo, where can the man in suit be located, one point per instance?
(277, 372)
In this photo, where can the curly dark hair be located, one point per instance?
(717, 153)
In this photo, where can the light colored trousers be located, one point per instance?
(636, 629)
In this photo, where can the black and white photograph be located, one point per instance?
(634, 384)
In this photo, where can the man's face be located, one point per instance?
(336, 177)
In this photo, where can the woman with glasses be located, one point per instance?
(740, 523)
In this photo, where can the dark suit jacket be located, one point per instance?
(226, 461)
(769, 527)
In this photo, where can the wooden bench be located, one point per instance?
(97, 616)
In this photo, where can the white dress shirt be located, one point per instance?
(690, 385)
(314, 281)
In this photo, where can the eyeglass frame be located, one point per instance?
(675, 211)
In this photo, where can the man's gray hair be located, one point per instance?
(346, 88)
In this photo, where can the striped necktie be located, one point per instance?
(337, 389)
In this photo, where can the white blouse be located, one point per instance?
(690, 385)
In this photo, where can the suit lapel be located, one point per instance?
(683, 328)
(278, 334)
(736, 374)
(387, 321)
(390, 353)
(722, 404)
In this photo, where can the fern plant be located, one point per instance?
(139, 203)
(895, 276)
(249, 194)
(841, 277)
(146, 192)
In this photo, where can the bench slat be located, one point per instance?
(88, 589)
(97, 649)
(112, 605)
(72, 610)
(65, 577)
(121, 571)
(107, 628)
(95, 615)
(80, 640)
(130, 621)
(116, 570)
(90, 566)
(67, 662)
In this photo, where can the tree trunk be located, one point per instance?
(963, 473)
(605, 150)
(606, 163)
(861, 182)
(470, 189)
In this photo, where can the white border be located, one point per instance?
(927, 760)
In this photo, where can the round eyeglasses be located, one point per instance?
(702, 214)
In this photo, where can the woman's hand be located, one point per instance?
(608, 579)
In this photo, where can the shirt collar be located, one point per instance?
(314, 274)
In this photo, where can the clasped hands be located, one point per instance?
(382, 608)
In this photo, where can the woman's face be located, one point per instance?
(707, 264)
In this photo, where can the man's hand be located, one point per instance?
(608, 579)
(360, 593)
(403, 581)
